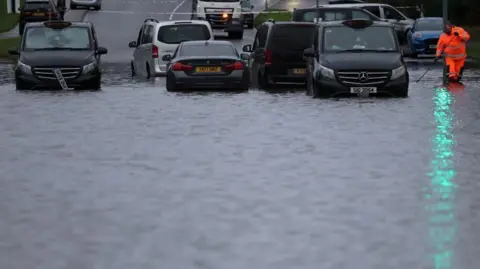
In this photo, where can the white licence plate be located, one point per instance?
(363, 90)
(433, 46)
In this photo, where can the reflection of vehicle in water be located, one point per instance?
(57, 53)
(423, 37)
(247, 9)
(158, 38)
(222, 14)
(95, 4)
(356, 57)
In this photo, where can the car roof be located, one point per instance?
(180, 22)
(360, 5)
(209, 42)
(339, 23)
(73, 23)
(37, 1)
(339, 7)
(290, 23)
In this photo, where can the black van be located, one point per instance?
(277, 53)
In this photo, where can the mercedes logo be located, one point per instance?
(363, 76)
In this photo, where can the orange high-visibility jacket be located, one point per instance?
(453, 46)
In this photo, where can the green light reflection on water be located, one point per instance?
(442, 227)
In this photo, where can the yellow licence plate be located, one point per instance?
(208, 69)
(299, 71)
(38, 14)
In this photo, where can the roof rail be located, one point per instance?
(150, 19)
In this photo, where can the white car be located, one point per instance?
(156, 39)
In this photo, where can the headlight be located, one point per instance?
(417, 35)
(26, 69)
(89, 67)
(327, 72)
(398, 72)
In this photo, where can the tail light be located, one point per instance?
(51, 14)
(234, 66)
(268, 57)
(154, 51)
(181, 67)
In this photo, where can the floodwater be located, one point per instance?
(135, 177)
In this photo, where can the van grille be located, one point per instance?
(363, 78)
(47, 72)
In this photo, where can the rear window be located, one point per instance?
(340, 38)
(176, 34)
(333, 15)
(207, 50)
(37, 5)
(292, 37)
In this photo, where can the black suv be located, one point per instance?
(326, 13)
(355, 57)
(277, 53)
(58, 54)
(38, 11)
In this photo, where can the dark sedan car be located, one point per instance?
(58, 54)
(209, 65)
(38, 11)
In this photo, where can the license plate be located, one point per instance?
(38, 14)
(363, 90)
(208, 69)
(433, 46)
(299, 71)
(60, 78)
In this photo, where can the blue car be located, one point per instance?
(423, 37)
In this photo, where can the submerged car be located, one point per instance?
(58, 55)
(424, 35)
(207, 65)
(355, 57)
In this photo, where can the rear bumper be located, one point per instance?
(275, 77)
(86, 3)
(237, 80)
(334, 88)
(235, 25)
(420, 47)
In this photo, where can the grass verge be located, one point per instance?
(6, 44)
(276, 14)
(8, 20)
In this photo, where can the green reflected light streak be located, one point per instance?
(441, 205)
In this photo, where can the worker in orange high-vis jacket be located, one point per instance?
(452, 44)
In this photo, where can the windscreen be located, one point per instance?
(334, 15)
(44, 38)
(175, 34)
(341, 38)
(36, 5)
(202, 50)
(429, 25)
(292, 36)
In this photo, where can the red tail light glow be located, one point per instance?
(52, 14)
(154, 51)
(268, 57)
(234, 66)
(181, 67)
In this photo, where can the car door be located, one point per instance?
(375, 10)
(399, 21)
(146, 49)
(137, 56)
(257, 57)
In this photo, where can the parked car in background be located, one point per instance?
(88, 4)
(387, 13)
(424, 35)
(37, 11)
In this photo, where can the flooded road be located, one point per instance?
(135, 177)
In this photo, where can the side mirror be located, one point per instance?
(247, 48)
(13, 51)
(132, 44)
(245, 56)
(102, 50)
(309, 53)
(167, 58)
